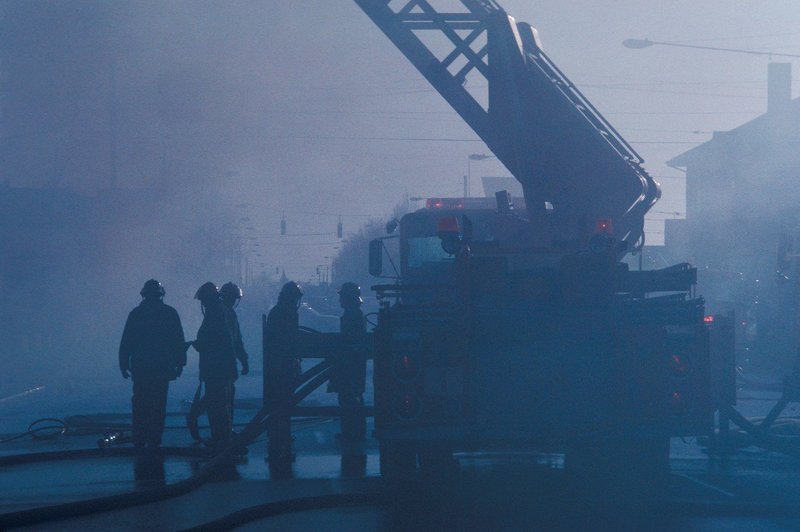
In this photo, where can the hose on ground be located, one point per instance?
(56, 428)
(762, 438)
(313, 378)
(272, 509)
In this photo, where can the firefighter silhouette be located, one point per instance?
(153, 352)
(231, 294)
(217, 364)
(349, 377)
(281, 372)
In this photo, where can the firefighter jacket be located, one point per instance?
(215, 345)
(350, 374)
(152, 345)
(236, 336)
(280, 332)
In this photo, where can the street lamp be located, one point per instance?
(637, 44)
(468, 177)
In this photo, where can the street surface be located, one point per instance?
(499, 489)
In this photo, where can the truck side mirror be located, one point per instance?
(376, 257)
(504, 203)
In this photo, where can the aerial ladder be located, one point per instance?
(574, 167)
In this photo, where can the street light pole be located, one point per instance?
(637, 44)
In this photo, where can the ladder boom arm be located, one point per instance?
(538, 124)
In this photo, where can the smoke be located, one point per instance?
(157, 127)
(150, 139)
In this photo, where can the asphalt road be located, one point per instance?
(502, 489)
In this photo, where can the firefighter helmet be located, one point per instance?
(152, 288)
(291, 291)
(350, 292)
(208, 291)
(231, 292)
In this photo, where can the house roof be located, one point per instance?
(783, 126)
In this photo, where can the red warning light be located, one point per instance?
(445, 203)
(708, 319)
(434, 203)
(604, 226)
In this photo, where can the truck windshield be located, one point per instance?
(423, 250)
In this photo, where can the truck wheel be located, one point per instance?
(398, 459)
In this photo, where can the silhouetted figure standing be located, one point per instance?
(349, 377)
(230, 293)
(153, 352)
(217, 364)
(281, 371)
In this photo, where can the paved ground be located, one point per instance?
(750, 489)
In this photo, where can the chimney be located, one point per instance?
(779, 87)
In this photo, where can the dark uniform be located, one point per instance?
(349, 377)
(228, 304)
(217, 364)
(230, 293)
(281, 370)
(152, 350)
(238, 343)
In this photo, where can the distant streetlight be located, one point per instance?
(637, 44)
(468, 177)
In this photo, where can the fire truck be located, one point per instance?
(515, 321)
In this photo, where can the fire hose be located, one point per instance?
(311, 380)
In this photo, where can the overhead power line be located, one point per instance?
(738, 37)
(682, 93)
(664, 142)
(392, 139)
(684, 113)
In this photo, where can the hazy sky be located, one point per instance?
(288, 106)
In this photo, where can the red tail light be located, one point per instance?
(405, 367)
(407, 406)
(679, 365)
(677, 404)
